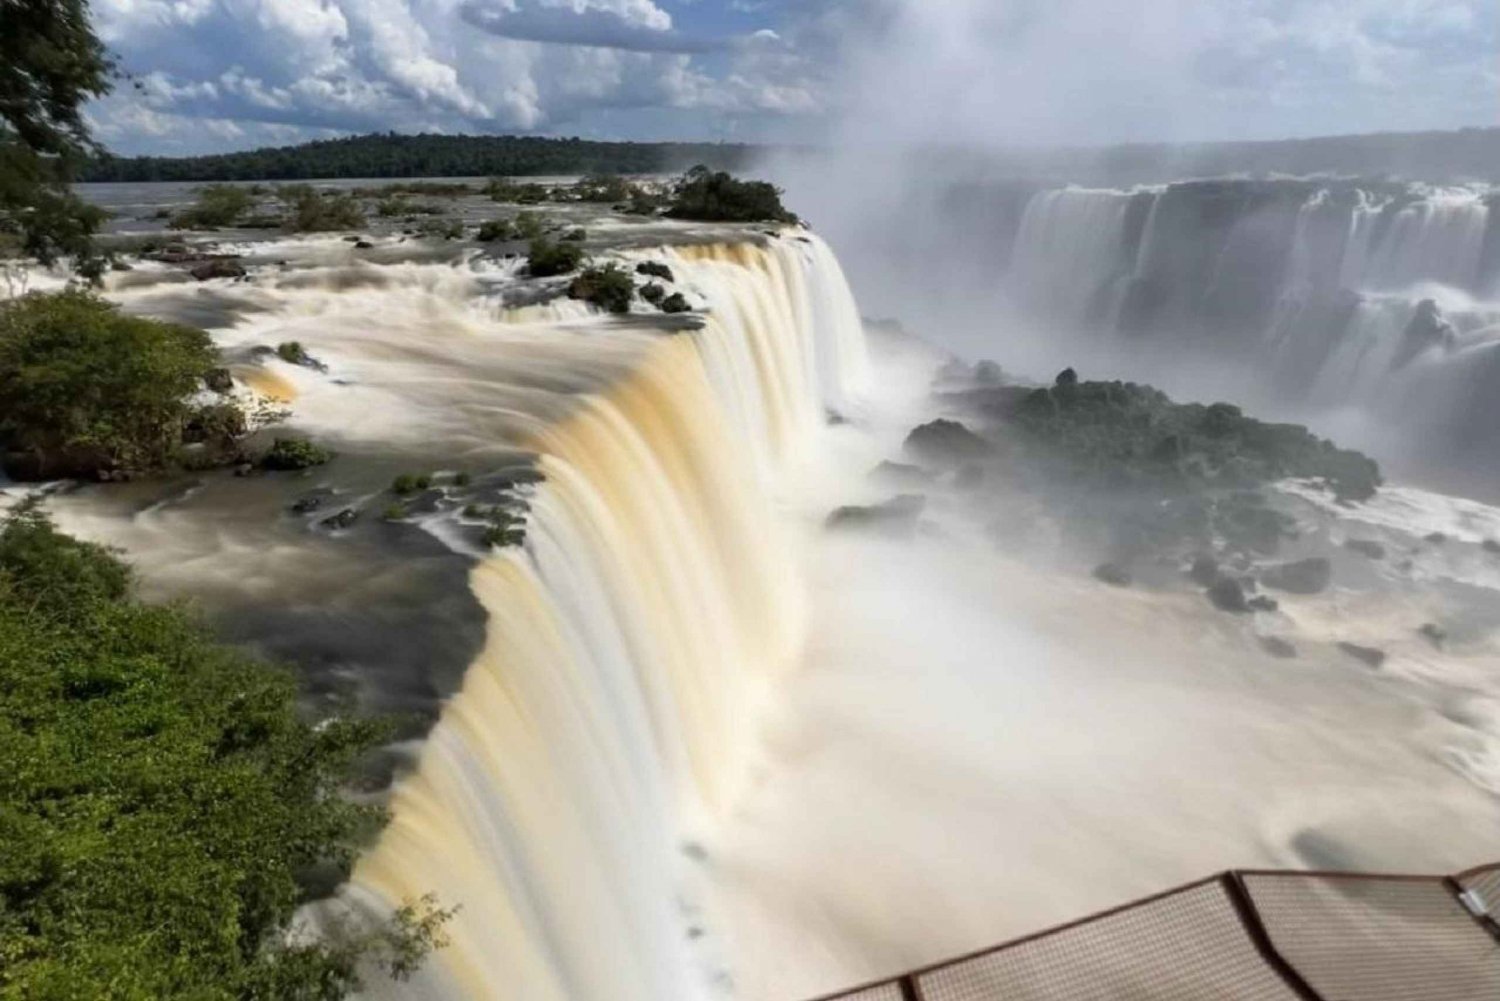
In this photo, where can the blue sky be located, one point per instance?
(227, 74)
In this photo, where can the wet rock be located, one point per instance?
(219, 380)
(308, 504)
(1278, 647)
(1427, 329)
(1490, 546)
(244, 469)
(1433, 633)
(1204, 571)
(945, 442)
(1262, 603)
(363, 245)
(1228, 595)
(1366, 547)
(1367, 655)
(1113, 574)
(1309, 576)
(901, 473)
(988, 373)
(344, 519)
(1436, 538)
(219, 267)
(897, 516)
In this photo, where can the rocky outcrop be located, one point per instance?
(1309, 576)
(896, 517)
(946, 443)
(1427, 329)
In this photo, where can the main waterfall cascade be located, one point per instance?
(1315, 289)
(629, 643)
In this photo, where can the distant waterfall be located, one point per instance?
(628, 645)
(1309, 290)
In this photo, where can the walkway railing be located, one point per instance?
(1247, 935)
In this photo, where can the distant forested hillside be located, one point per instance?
(393, 155)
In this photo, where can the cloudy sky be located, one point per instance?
(227, 74)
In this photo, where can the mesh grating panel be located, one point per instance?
(1187, 946)
(880, 992)
(1377, 939)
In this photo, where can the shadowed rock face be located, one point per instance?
(1309, 576)
(897, 516)
(946, 443)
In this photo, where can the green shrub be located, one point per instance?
(495, 229)
(529, 226)
(218, 206)
(313, 211)
(547, 258)
(395, 512)
(610, 288)
(461, 479)
(408, 483)
(292, 352)
(501, 190)
(166, 802)
(85, 388)
(710, 196)
(655, 269)
(294, 454)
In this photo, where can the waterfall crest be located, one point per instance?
(628, 646)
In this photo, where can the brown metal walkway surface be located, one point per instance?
(1247, 935)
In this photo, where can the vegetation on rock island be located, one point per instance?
(715, 196)
(165, 808)
(87, 390)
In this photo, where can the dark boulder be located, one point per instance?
(1309, 576)
(218, 267)
(1436, 538)
(1427, 329)
(1263, 603)
(1278, 647)
(1490, 546)
(1434, 634)
(1113, 574)
(1228, 595)
(219, 380)
(946, 443)
(344, 519)
(1366, 547)
(901, 473)
(1367, 655)
(1204, 571)
(363, 245)
(897, 516)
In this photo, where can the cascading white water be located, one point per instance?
(1071, 244)
(1310, 288)
(628, 647)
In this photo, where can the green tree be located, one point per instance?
(164, 806)
(51, 63)
(85, 388)
(715, 196)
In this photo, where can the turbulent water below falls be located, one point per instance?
(689, 745)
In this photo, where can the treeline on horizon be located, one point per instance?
(1463, 154)
(392, 155)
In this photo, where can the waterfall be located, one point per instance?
(628, 646)
(1291, 290)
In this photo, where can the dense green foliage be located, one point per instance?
(610, 288)
(496, 229)
(86, 389)
(51, 63)
(218, 206)
(709, 196)
(1125, 433)
(391, 155)
(163, 805)
(290, 454)
(547, 257)
(312, 211)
